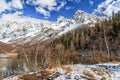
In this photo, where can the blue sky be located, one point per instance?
(52, 9)
(67, 11)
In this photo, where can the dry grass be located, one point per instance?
(0, 78)
(55, 75)
(98, 71)
(87, 78)
(88, 75)
(67, 69)
(45, 73)
(102, 72)
(29, 77)
(52, 66)
(103, 78)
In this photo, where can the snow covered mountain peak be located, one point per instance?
(16, 29)
(79, 12)
(82, 17)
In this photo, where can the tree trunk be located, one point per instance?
(106, 43)
(36, 57)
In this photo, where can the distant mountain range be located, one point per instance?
(32, 30)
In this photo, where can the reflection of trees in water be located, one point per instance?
(19, 66)
(15, 67)
(3, 64)
(0, 74)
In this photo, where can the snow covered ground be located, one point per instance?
(108, 71)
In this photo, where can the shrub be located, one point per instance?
(29, 77)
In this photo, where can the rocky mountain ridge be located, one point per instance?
(32, 30)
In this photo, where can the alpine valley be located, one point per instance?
(84, 47)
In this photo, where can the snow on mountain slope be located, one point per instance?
(33, 30)
(16, 29)
(85, 18)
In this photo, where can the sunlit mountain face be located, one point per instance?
(52, 9)
(53, 16)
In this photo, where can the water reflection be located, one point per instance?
(15, 66)
(3, 65)
(19, 65)
(12, 66)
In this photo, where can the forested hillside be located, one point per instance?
(87, 45)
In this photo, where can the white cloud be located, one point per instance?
(43, 3)
(17, 4)
(68, 7)
(12, 16)
(62, 4)
(91, 2)
(3, 6)
(43, 11)
(18, 17)
(46, 6)
(76, 1)
(43, 7)
(108, 6)
(12, 5)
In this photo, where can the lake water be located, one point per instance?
(14, 66)
(3, 65)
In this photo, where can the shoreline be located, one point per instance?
(8, 55)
